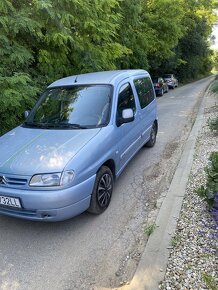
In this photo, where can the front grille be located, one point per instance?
(5, 180)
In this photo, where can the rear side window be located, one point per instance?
(144, 90)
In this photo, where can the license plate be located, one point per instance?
(10, 201)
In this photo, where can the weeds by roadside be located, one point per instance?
(150, 229)
(209, 191)
(209, 281)
(214, 86)
(213, 123)
(175, 240)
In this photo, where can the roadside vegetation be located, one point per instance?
(209, 192)
(42, 41)
(213, 123)
(150, 229)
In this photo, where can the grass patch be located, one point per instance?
(150, 229)
(175, 241)
(209, 281)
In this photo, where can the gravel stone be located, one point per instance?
(194, 245)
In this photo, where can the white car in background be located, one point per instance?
(171, 80)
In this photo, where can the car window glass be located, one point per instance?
(84, 105)
(126, 99)
(144, 90)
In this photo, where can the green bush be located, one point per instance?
(209, 191)
(214, 87)
(213, 124)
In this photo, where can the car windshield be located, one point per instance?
(74, 107)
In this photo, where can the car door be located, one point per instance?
(147, 102)
(130, 133)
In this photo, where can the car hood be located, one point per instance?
(27, 151)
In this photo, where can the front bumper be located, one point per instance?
(49, 205)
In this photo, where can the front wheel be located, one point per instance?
(153, 136)
(102, 191)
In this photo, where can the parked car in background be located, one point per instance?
(171, 80)
(76, 141)
(160, 86)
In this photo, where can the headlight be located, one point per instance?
(52, 179)
(67, 177)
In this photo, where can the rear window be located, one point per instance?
(167, 76)
(144, 90)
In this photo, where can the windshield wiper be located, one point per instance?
(33, 124)
(71, 126)
(54, 125)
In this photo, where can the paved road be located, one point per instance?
(93, 252)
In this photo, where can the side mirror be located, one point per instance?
(127, 116)
(26, 114)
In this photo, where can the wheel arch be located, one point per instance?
(110, 164)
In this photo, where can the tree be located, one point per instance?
(45, 40)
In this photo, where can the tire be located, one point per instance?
(167, 89)
(153, 136)
(161, 92)
(102, 191)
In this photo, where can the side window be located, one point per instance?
(126, 100)
(144, 90)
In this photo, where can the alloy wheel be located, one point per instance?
(104, 190)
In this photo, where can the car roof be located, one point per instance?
(102, 77)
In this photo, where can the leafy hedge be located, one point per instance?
(44, 40)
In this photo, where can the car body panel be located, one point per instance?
(27, 151)
(160, 85)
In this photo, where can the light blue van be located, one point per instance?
(82, 132)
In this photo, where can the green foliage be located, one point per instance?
(208, 192)
(150, 229)
(209, 281)
(214, 87)
(42, 41)
(215, 60)
(213, 124)
(175, 241)
(192, 56)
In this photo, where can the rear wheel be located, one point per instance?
(167, 89)
(161, 92)
(153, 136)
(102, 191)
